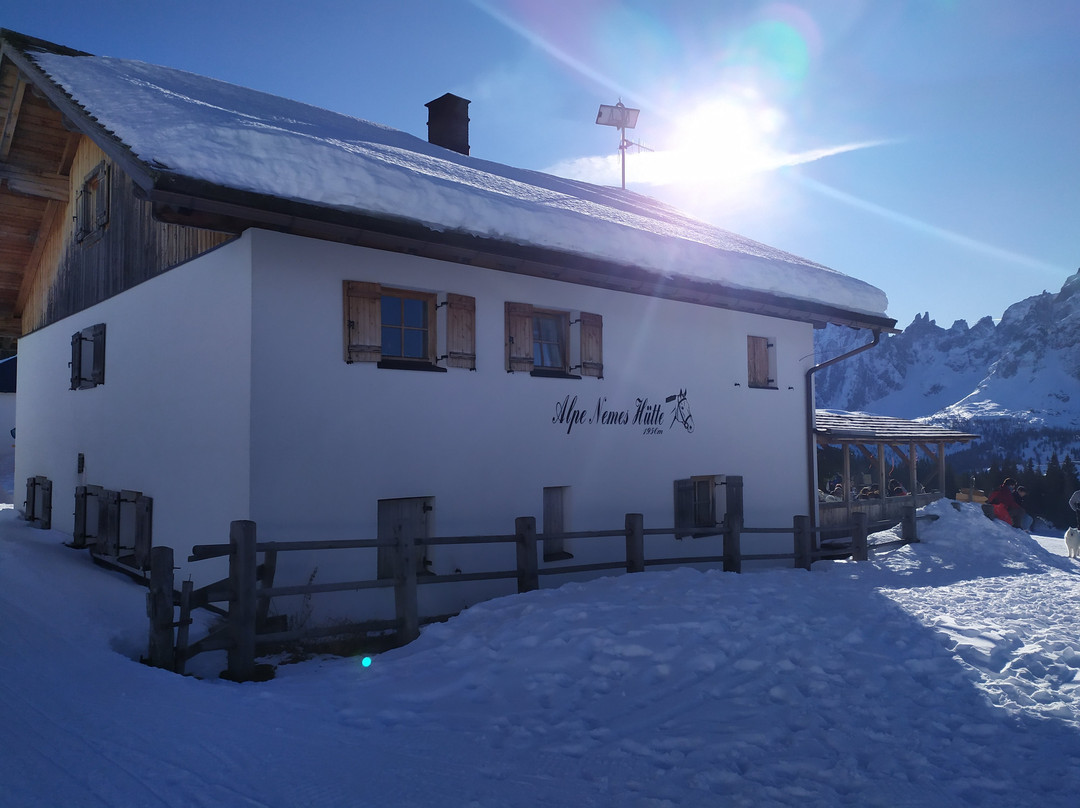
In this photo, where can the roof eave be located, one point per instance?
(183, 200)
(13, 46)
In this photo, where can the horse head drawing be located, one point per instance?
(681, 412)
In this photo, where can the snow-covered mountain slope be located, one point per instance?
(1017, 383)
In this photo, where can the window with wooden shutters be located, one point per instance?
(400, 328)
(695, 505)
(592, 345)
(92, 208)
(460, 331)
(88, 357)
(538, 341)
(761, 362)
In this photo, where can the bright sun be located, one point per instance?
(720, 142)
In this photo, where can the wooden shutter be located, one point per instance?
(554, 523)
(76, 360)
(704, 501)
(461, 331)
(43, 502)
(519, 337)
(363, 322)
(684, 508)
(96, 335)
(144, 520)
(757, 361)
(592, 345)
(78, 533)
(108, 538)
(31, 499)
(101, 196)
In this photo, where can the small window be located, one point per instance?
(761, 362)
(92, 205)
(407, 325)
(550, 340)
(540, 341)
(695, 505)
(88, 357)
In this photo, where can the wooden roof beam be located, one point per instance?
(866, 452)
(48, 186)
(11, 117)
(907, 458)
(930, 451)
(53, 211)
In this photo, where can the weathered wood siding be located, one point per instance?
(70, 276)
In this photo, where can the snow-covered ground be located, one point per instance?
(939, 674)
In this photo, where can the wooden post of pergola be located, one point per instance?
(863, 431)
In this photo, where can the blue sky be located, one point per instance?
(929, 147)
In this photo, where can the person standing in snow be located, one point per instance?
(1074, 503)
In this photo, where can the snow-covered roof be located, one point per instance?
(841, 426)
(182, 126)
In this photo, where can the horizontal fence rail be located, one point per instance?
(249, 587)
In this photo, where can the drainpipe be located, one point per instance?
(811, 447)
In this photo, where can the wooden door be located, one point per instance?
(408, 517)
(555, 522)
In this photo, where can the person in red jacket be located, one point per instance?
(1005, 505)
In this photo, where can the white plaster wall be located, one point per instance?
(171, 419)
(331, 439)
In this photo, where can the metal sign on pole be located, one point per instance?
(622, 118)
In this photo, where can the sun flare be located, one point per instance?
(723, 140)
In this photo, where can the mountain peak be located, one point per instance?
(1015, 383)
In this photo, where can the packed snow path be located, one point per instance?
(939, 674)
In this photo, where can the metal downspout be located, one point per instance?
(811, 445)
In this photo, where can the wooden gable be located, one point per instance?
(49, 267)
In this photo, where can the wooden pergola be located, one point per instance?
(871, 436)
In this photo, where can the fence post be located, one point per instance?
(909, 530)
(635, 542)
(859, 521)
(804, 543)
(242, 566)
(733, 523)
(406, 603)
(183, 626)
(525, 528)
(159, 603)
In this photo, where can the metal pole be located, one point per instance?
(622, 154)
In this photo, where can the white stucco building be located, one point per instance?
(242, 307)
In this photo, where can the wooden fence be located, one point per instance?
(249, 587)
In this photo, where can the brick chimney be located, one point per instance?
(448, 123)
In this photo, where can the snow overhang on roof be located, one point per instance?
(833, 427)
(213, 154)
